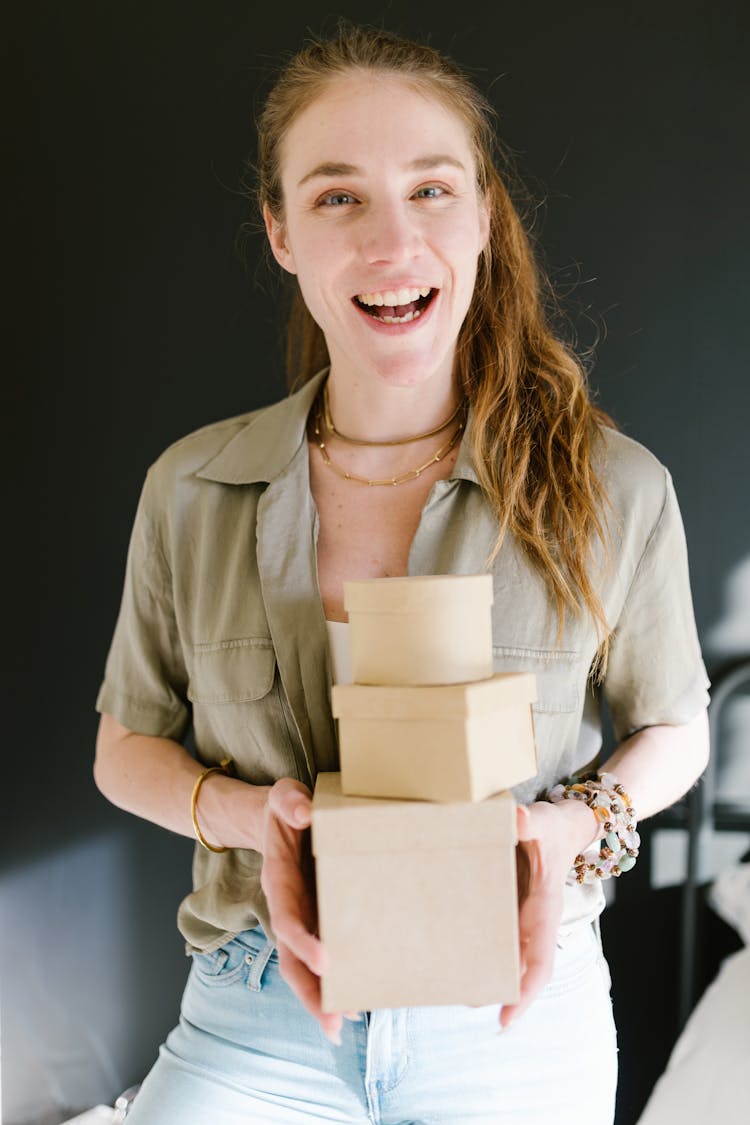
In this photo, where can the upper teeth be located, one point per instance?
(394, 296)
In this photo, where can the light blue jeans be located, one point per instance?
(245, 1051)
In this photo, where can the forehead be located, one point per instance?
(371, 122)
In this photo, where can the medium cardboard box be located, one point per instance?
(455, 742)
(417, 902)
(434, 629)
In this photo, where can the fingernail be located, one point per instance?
(334, 1037)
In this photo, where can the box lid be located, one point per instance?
(434, 701)
(417, 593)
(342, 825)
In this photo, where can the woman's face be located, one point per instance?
(383, 226)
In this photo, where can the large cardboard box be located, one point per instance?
(434, 629)
(417, 901)
(455, 742)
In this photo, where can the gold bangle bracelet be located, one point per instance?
(223, 768)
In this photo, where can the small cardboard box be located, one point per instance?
(435, 629)
(417, 902)
(455, 742)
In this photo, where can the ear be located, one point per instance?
(276, 232)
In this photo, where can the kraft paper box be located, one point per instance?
(456, 742)
(435, 629)
(417, 902)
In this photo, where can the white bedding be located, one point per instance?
(707, 1079)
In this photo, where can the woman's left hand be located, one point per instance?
(550, 837)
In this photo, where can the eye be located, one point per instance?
(335, 199)
(430, 191)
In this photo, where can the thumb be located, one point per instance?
(290, 801)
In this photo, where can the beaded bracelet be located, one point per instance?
(610, 804)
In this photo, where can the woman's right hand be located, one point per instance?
(155, 777)
(288, 882)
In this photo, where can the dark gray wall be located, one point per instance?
(136, 322)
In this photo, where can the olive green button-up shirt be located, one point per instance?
(222, 623)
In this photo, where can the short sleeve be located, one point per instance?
(145, 684)
(655, 673)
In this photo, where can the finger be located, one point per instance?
(292, 914)
(538, 922)
(537, 963)
(283, 880)
(290, 896)
(290, 801)
(523, 873)
(305, 947)
(303, 983)
(306, 987)
(532, 984)
(284, 871)
(538, 972)
(523, 823)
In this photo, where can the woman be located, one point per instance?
(439, 427)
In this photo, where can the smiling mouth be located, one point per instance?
(374, 305)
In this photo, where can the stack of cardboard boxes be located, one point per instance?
(414, 839)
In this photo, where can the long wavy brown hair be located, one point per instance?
(534, 426)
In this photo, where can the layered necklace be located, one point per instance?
(323, 420)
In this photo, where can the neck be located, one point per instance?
(380, 412)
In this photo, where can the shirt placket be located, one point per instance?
(286, 543)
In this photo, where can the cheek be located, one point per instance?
(466, 264)
(462, 244)
(325, 268)
(317, 283)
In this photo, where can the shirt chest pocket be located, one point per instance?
(556, 671)
(233, 671)
(239, 710)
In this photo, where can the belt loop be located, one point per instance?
(257, 967)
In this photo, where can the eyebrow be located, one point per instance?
(420, 164)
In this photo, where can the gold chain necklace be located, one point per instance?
(412, 474)
(397, 441)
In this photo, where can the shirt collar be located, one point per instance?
(265, 446)
(263, 449)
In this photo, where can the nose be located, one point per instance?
(390, 235)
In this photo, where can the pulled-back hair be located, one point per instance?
(534, 426)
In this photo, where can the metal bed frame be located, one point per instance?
(700, 814)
